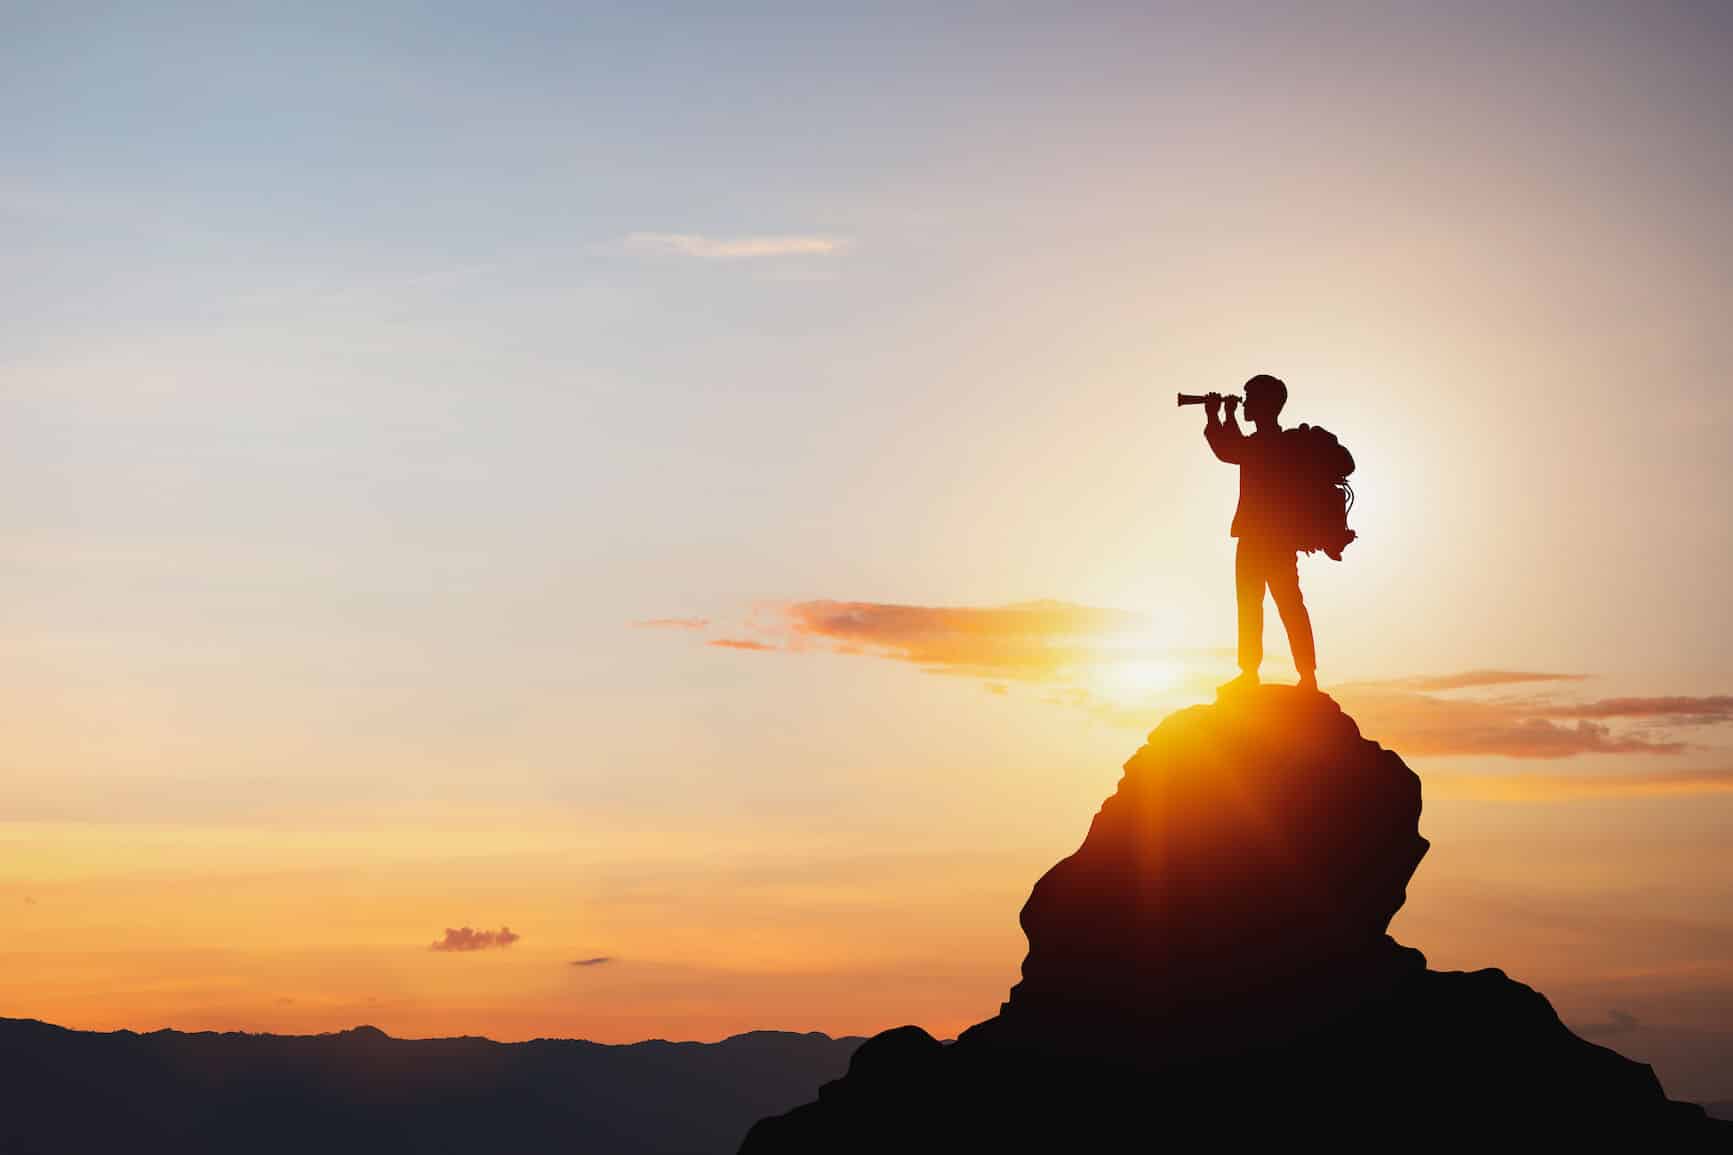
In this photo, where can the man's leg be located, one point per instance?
(1249, 593)
(1284, 578)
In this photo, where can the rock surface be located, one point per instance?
(1247, 867)
(1213, 960)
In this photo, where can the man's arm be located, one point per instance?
(1224, 436)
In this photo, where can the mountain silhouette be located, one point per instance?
(1212, 965)
(363, 1091)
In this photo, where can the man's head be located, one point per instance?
(1265, 396)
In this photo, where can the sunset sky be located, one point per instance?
(684, 508)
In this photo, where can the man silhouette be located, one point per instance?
(1265, 524)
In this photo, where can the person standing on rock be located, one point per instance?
(1267, 524)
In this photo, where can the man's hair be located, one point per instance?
(1264, 384)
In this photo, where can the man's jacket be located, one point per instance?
(1266, 512)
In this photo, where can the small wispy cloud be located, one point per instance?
(597, 961)
(739, 248)
(671, 623)
(1707, 710)
(1040, 641)
(1542, 787)
(1028, 640)
(1424, 725)
(742, 644)
(1533, 727)
(464, 938)
(1104, 660)
(1617, 1023)
(1477, 679)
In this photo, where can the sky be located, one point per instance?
(635, 521)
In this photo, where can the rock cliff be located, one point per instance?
(1213, 961)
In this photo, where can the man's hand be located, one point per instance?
(1226, 440)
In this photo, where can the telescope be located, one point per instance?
(1200, 398)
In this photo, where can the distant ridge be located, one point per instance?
(360, 1090)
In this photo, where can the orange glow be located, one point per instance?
(540, 493)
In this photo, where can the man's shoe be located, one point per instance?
(1246, 681)
(1308, 681)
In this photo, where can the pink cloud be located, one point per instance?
(742, 644)
(467, 939)
(1476, 679)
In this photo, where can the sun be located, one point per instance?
(1133, 678)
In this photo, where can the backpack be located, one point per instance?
(1322, 495)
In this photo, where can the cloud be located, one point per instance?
(599, 960)
(1104, 662)
(1618, 1023)
(1540, 787)
(1108, 664)
(467, 938)
(1410, 715)
(671, 623)
(1027, 640)
(739, 248)
(1475, 679)
(1700, 711)
(1421, 725)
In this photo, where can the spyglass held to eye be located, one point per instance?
(1203, 398)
